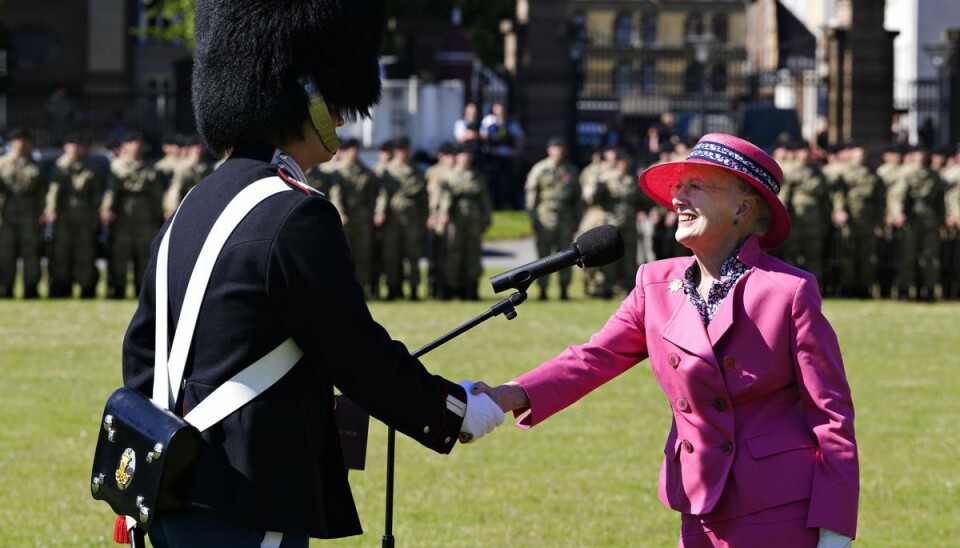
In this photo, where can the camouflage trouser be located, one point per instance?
(131, 242)
(622, 274)
(921, 257)
(402, 248)
(951, 263)
(857, 256)
(464, 247)
(805, 248)
(74, 252)
(889, 259)
(360, 240)
(550, 240)
(20, 238)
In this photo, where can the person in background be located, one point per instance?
(22, 189)
(890, 239)
(132, 208)
(438, 177)
(466, 130)
(555, 207)
(354, 194)
(916, 203)
(465, 212)
(627, 206)
(951, 239)
(402, 210)
(761, 449)
(73, 198)
(503, 140)
(187, 173)
(172, 146)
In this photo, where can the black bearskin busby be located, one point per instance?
(253, 58)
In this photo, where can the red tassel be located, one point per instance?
(121, 535)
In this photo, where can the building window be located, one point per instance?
(719, 26)
(693, 78)
(622, 30)
(648, 28)
(718, 77)
(622, 76)
(694, 25)
(648, 77)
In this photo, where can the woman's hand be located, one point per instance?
(509, 397)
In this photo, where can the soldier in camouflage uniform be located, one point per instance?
(354, 193)
(834, 169)
(76, 189)
(553, 202)
(916, 202)
(951, 179)
(132, 207)
(402, 211)
(890, 240)
(858, 199)
(595, 198)
(187, 173)
(465, 211)
(438, 177)
(21, 204)
(807, 197)
(384, 155)
(626, 204)
(172, 146)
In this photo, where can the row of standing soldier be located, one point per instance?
(894, 228)
(392, 212)
(890, 231)
(83, 208)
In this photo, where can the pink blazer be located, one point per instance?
(762, 413)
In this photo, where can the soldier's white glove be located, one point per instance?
(832, 539)
(481, 417)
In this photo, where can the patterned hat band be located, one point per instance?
(729, 158)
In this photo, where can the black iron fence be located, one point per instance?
(102, 113)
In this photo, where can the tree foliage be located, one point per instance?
(178, 20)
(481, 19)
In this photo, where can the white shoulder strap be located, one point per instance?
(168, 373)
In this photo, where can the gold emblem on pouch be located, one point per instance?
(126, 469)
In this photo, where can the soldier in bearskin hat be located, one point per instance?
(272, 80)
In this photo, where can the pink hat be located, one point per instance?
(737, 156)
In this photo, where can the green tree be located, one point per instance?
(481, 19)
(178, 16)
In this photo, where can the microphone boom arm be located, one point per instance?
(507, 307)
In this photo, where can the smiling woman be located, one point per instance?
(761, 450)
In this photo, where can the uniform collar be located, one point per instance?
(286, 162)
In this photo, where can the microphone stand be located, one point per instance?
(507, 307)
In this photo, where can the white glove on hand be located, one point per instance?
(481, 417)
(832, 539)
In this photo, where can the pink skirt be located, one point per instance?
(782, 526)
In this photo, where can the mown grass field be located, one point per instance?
(586, 477)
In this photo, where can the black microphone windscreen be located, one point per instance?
(600, 246)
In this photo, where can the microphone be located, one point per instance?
(595, 247)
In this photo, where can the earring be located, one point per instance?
(736, 220)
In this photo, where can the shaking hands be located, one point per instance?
(486, 407)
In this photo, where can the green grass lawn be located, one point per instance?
(587, 477)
